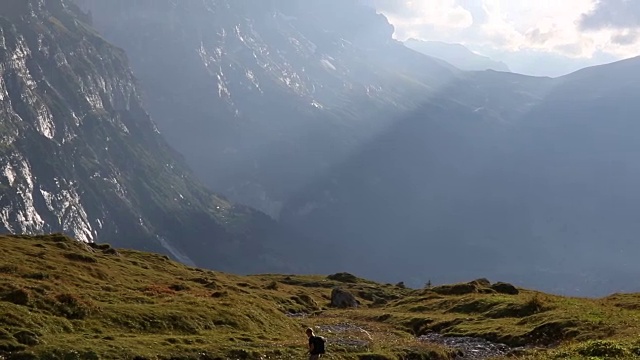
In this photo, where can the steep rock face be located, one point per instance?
(262, 96)
(80, 155)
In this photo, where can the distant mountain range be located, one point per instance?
(367, 155)
(457, 55)
(533, 181)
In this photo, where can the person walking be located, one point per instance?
(316, 345)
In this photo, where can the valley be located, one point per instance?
(398, 164)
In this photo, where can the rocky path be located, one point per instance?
(351, 335)
(470, 348)
(347, 334)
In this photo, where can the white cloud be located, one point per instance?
(552, 26)
(412, 16)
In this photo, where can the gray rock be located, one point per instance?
(505, 288)
(343, 299)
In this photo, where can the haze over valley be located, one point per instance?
(302, 136)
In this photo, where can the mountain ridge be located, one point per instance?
(82, 156)
(482, 185)
(456, 54)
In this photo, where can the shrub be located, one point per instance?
(18, 297)
(200, 280)
(63, 246)
(425, 354)
(22, 356)
(212, 285)
(457, 289)
(101, 247)
(530, 307)
(535, 302)
(374, 357)
(343, 277)
(37, 276)
(379, 301)
(219, 294)
(306, 301)
(9, 344)
(111, 251)
(66, 355)
(26, 338)
(81, 257)
(550, 332)
(158, 290)
(505, 288)
(179, 287)
(8, 269)
(58, 238)
(602, 348)
(72, 307)
(482, 282)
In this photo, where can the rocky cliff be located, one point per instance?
(80, 155)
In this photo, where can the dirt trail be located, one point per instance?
(355, 336)
(470, 348)
(351, 335)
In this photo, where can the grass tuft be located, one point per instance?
(603, 349)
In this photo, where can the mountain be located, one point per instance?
(62, 299)
(391, 163)
(545, 196)
(457, 55)
(546, 64)
(80, 155)
(262, 97)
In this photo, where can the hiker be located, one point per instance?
(316, 345)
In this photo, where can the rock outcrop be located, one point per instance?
(341, 298)
(505, 288)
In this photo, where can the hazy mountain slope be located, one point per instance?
(80, 154)
(457, 55)
(261, 97)
(545, 196)
(402, 208)
(579, 145)
(397, 165)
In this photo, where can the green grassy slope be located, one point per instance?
(60, 299)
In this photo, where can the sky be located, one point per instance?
(538, 37)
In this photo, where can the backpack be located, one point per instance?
(318, 344)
